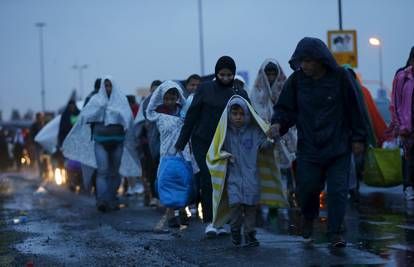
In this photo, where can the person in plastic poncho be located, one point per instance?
(164, 109)
(264, 95)
(100, 139)
(243, 170)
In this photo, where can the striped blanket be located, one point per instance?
(268, 170)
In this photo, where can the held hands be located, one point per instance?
(357, 148)
(274, 131)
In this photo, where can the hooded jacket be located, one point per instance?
(243, 184)
(326, 111)
(208, 104)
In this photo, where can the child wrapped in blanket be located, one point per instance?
(164, 109)
(238, 182)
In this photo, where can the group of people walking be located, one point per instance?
(310, 127)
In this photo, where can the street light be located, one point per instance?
(40, 26)
(80, 68)
(377, 42)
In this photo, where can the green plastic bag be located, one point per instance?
(383, 167)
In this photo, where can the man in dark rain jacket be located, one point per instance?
(320, 100)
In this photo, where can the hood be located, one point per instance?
(236, 100)
(157, 98)
(315, 49)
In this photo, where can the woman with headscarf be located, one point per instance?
(264, 95)
(200, 124)
(100, 139)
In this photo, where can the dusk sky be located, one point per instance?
(138, 41)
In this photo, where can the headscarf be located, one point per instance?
(225, 62)
(108, 110)
(264, 96)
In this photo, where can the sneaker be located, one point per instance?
(173, 222)
(251, 240)
(222, 231)
(193, 211)
(154, 202)
(130, 192)
(210, 231)
(307, 229)
(236, 237)
(337, 241)
(183, 217)
(139, 189)
(409, 193)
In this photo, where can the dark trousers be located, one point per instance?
(200, 149)
(150, 168)
(241, 214)
(312, 176)
(408, 168)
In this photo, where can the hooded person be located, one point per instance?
(243, 170)
(100, 139)
(201, 122)
(401, 126)
(264, 95)
(164, 109)
(320, 99)
(67, 120)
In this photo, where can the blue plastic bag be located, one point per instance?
(175, 183)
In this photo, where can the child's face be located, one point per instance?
(237, 116)
(192, 85)
(170, 100)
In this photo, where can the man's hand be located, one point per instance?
(273, 131)
(357, 148)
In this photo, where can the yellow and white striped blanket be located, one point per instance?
(268, 170)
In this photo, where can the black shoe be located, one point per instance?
(236, 237)
(183, 218)
(307, 229)
(337, 241)
(102, 207)
(251, 240)
(174, 222)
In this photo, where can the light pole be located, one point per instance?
(40, 26)
(80, 68)
(377, 42)
(200, 31)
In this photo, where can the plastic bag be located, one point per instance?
(383, 167)
(175, 183)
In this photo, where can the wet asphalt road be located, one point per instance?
(64, 229)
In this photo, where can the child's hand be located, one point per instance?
(232, 159)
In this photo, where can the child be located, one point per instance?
(164, 109)
(239, 190)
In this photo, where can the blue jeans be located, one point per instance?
(108, 180)
(312, 177)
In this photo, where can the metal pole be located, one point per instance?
(40, 25)
(200, 25)
(340, 14)
(380, 67)
(80, 82)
